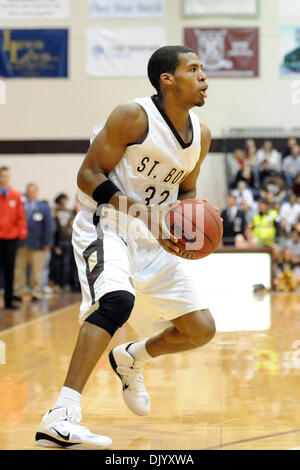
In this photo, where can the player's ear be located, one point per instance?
(167, 79)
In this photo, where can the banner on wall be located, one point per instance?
(289, 41)
(126, 8)
(122, 52)
(31, 53)
(226, 52)
(220, 8)
(289, 8)
(34, 9)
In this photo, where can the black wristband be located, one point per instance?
(104, 192)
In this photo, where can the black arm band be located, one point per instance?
(104, 192)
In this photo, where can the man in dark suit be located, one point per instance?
(38, 241)
(234, 222)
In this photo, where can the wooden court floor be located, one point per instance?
(241, 391)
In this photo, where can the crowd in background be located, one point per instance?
(263, 210)
(36, 254)
(263, 206)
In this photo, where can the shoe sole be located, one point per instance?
(45, 440)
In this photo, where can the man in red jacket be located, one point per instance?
(12, 229)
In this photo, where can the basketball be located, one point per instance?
(198, 227)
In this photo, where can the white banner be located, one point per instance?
(122, 52)
(34, 9)
(126, 8)
(289, 8)
(220, 7)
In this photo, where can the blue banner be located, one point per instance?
(30, 53)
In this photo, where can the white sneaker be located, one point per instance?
(130, 372)
(59, 428)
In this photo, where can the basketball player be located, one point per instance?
(149, 151)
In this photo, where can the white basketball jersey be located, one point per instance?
(151, 171)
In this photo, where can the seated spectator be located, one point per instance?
(296, 186)
(291, 165)
(247, 210)
(288, 278)
(250, 151)
(239, 157)
(290, 212)
(246, 174)
(268, 153)
(274, 184)
(234, 222)
(264, 172)
(243, 193)
(264, 225)
(32, 250)
(293, 244)
(290, 143)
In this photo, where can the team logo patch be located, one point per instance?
(12, 203)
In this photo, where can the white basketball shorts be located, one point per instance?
(162, 283)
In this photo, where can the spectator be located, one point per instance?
(275, 185)
(75, 285)
(288, 276)
(264, 225)
(247, 210)
(264, 172)
(239, 156)
(268, 153)
(32, 251)
(290, 212)
(276, 260)
(12, 229)
(293, 244)
(62, 251)
(246, 174)
(250, 151)
(243, 193)
(296, 186)
(290, 143)
(233, 221)
(291, 165)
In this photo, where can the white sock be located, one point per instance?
(67, 398)
(139, 352)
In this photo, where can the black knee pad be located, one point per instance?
(114, 310)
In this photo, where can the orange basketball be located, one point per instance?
(198, 227)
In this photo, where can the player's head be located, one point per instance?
(178, 70)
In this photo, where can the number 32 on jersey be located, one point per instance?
(151, 169)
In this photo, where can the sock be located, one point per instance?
(67, 398)
(139, 352)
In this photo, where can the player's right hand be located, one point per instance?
(158, 227)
